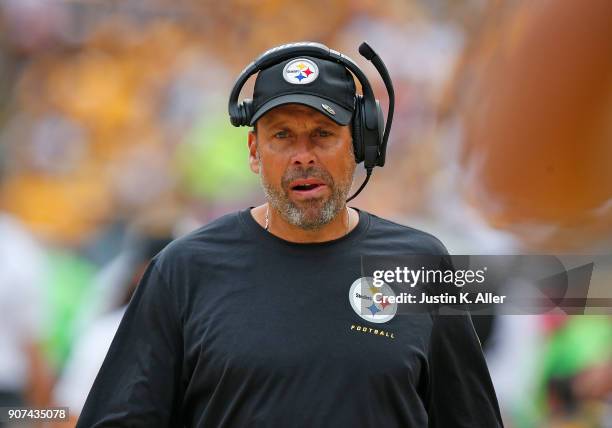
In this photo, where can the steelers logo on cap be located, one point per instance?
(300, 71)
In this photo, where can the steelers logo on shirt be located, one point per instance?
(300, 71)
(369, 301)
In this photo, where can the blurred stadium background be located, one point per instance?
(114, 138)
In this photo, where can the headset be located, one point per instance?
(369, 139)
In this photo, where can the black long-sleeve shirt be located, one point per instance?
(232, 326)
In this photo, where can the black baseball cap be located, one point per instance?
(326, 86)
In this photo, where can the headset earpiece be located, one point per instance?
(371, 136)
(382, 145)
(367, 140)
(357, 129)
(243, 113)
(247, 110)
(237, 115)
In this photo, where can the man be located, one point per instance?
(246, 322)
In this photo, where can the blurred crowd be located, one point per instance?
(115, 139)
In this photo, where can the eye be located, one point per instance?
(281, 134)
(324, 133)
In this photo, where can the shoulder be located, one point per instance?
(202, 244)
(405, 236)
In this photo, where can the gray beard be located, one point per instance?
(313, 214)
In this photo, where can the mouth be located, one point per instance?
(307, 188)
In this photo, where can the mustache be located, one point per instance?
(303, 173)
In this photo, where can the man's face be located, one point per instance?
(305, 162)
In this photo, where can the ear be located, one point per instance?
(253, 161)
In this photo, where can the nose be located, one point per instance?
(304, 151)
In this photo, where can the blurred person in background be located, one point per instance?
(92, 344)
(25, 376)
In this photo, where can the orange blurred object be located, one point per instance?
(536, 99)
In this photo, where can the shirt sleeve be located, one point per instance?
(139, 383)
(460, 392)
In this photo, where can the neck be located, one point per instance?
(344, 222)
